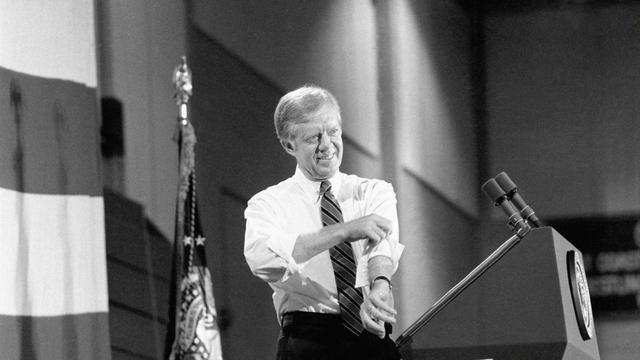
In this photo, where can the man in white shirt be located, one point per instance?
(328, 307)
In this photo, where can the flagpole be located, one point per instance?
(184, 88)
(196, 332)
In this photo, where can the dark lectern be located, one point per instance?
(533, 303)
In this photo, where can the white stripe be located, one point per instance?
(51, 39)
(52, 254)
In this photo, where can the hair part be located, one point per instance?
(295, 106)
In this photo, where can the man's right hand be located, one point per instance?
(373, 227)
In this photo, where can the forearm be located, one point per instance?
(380, 266)
(372, 227)
(312, 244)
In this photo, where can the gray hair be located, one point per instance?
(295, 105)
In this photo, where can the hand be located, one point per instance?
(377, 308)
(372, 227)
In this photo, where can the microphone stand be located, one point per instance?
(405, 338)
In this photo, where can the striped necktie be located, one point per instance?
(344, 266)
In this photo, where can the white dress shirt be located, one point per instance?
(277, 215)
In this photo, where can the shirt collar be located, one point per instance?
(312, 188)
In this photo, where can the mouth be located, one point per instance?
(326, 157)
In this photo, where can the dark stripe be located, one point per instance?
(344, 282)
(349, 313)
(344, 269)
(333, 204)
(50, 136)
(328, 210)
(350, 306)
(330, 218)
(338, 256)
(345, 263)
(346, 251)
(352, 328)
(336, 251)
(66, 337)
(350, 319)
(354, 295)
(350, 303)
(336, 215)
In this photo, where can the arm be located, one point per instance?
(268, 245)
(378, 305)
(273, 252)
(372, 227)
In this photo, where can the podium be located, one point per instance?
(532, 303)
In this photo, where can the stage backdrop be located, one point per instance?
(54, 302)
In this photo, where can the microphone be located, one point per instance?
(495, 193)
(511, 189)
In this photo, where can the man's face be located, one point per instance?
(317, 144)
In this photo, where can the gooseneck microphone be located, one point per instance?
(494, 192)
(510, 188)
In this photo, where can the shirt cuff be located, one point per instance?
(282, 245)
(390, 249)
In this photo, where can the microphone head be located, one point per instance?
(493, 191)
(505, 182)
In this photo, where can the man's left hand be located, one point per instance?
(378, 308)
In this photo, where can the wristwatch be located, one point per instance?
(382, 277)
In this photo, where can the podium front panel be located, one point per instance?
(521, 308)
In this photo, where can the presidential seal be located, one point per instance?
(580, 294)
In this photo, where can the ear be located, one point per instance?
(287, 146)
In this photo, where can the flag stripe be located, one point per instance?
(54, 301)
(49, 136)
(53, 258)
(68, 337)
(50, 39)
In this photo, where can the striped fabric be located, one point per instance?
(54, 301)
(344, 266)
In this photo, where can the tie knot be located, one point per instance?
(324, 187)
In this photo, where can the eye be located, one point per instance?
(312, 139)
(334, 132)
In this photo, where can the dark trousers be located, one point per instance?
(313, 336)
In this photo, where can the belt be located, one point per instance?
(312, 325)
(303, 322)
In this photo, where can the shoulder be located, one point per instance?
(364, 187)
(275, 192)
(368, 184)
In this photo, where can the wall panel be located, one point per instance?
(441, 242)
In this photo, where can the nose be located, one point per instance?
(325, 142)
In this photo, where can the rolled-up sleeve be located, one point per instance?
(268, 248)
(380, 199)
